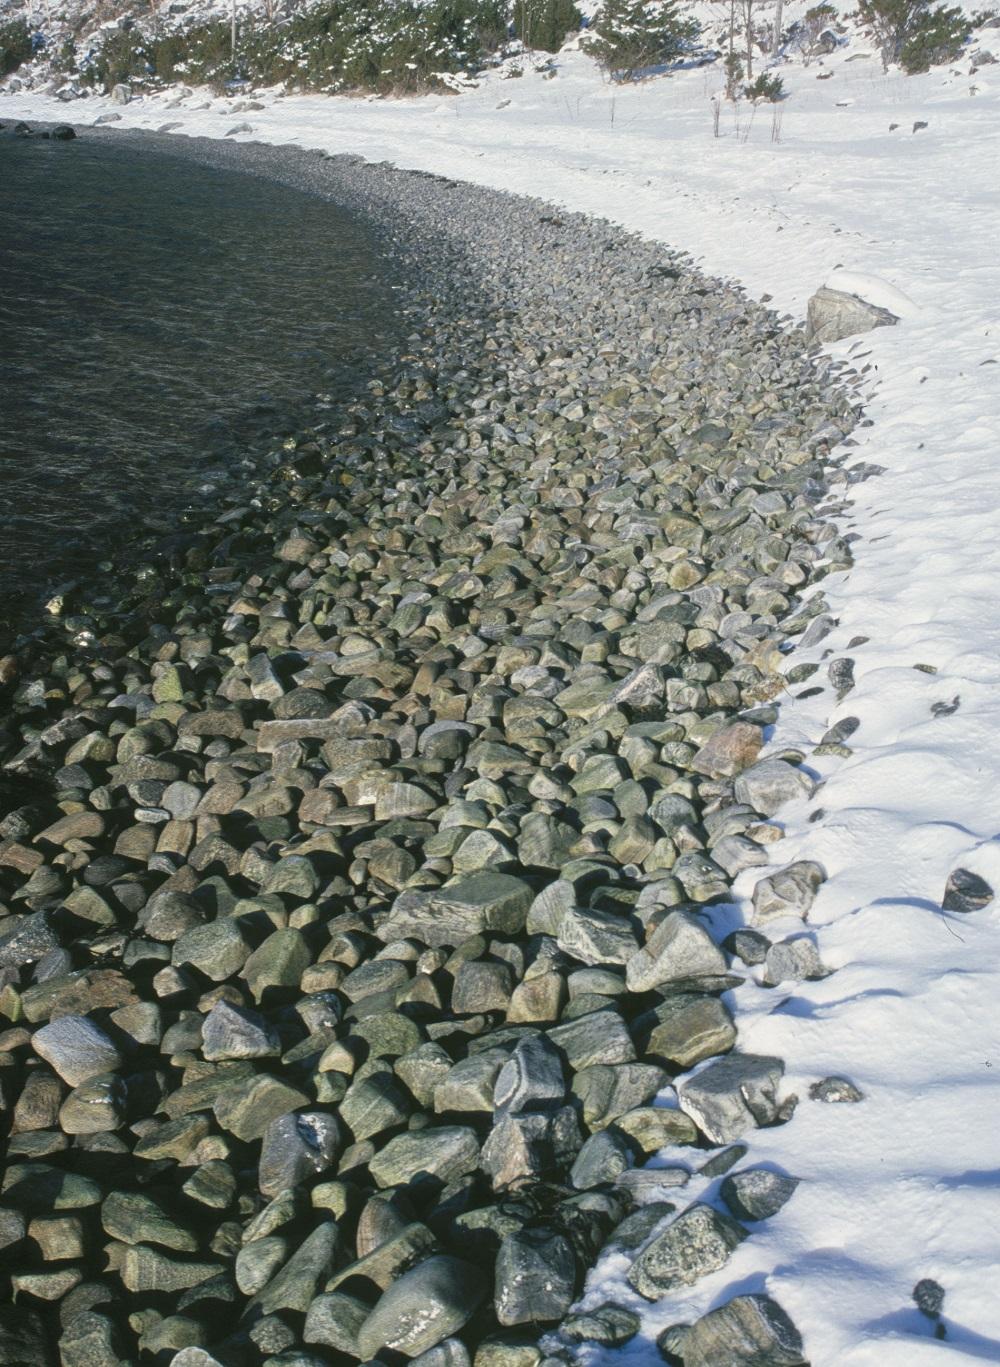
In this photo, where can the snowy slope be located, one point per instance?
(906, 1184)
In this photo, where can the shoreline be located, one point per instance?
(371, 670)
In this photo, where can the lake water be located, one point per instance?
(157, 319)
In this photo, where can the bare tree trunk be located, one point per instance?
(234, 28)
(748, 8)
(776, 40)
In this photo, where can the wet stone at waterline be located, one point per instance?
(357, 873)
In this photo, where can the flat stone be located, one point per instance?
(146, 1269)
(656, 1127)
(609, 1325)
(135, 1218)
(476, 902)
(698, 1242)
(596, 937)
(598, 1037)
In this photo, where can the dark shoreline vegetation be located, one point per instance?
(363, 875)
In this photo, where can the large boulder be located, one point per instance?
(833, 314)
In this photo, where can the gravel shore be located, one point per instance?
(353, 870)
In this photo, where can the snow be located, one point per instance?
(874, 290)
(905, 1184)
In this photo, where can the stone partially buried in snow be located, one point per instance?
(749, 1331)
(789, 892)
(698, 1242)
(769, 784)
(427, 1304)
(757, 1193)
(834, 314)
(966, 891)
(733, 1095)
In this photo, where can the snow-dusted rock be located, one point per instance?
(121, 94)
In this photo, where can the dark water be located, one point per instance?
(157, 318)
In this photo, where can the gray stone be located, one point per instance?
(747, 1330)
(834, 314)
(477, 902)
(596, 937)
(295, 1286)
(121, 94)
(792, 961)
(425, 1306)
(607, 1091)
(769, 784)
(966, 892)
(686, 1029)
(296, 1147)
(437, 1155)
(698, 1242)
(531, 1079)
(374, 1104)
(609, 1325)
(535, 1277)
(680, 951)
(836, 1090)
(757, 1193)
(733, 1095)
(76, 1048)
(230, 1031)
(335, 1320)
(135, 1218)
(603, 1159)
(789, 892)
(599, 1037)
(217, 949)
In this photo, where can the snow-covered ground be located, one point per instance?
(906, 1184)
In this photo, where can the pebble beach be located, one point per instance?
(358, 868)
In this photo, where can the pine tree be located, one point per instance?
(912, 33)
(630, 35)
